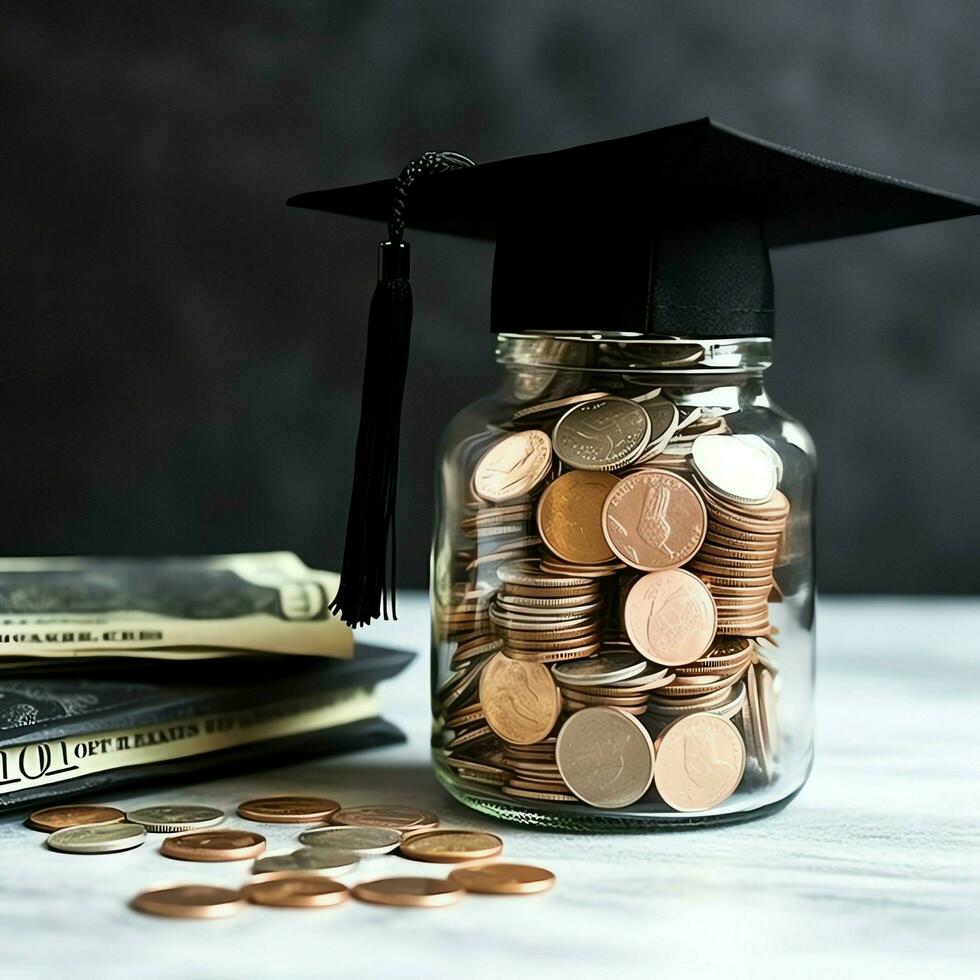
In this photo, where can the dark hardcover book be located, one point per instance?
(64, 735)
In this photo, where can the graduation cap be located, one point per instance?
(663, 234)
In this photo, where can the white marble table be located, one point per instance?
(873, 871)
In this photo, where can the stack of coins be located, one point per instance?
(534, 773)
(618, 679)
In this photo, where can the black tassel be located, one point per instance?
(367, 577)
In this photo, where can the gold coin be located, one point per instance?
(449, 846)
(401, 818)
(189, 902)
(514, 466)
(413, 892)
(58, 817)
(570, 516)
(503, 879)
(520, 700)
(299, 891)
(700, 762)
(214, 845)
(288, 809)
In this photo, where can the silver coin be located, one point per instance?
(357, 840)
(602, 435)
(734, 470)
(97, 838)
(322, 860)
(757, 442)
(605, 669)
(172, 818)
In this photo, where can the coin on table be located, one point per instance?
(570, 516)
(520, 700)
(602, 435)
(670, 617)
(733, 469)
(654, 519)
(605, 756)
(356, 840)
(289, 809)
(58, 817)
(450, 846)
(514, 466)
(214, 845)
(297, 892)
(700, 762)
(320, 860)
(503, 879)
(172, 818)
(414, 892)
(190, 902)
(401, 818)
(97, 838)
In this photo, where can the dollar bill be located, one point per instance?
(269, 603)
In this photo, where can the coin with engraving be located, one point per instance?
(700, 762)
(412, 892)
(570, 516)
(450, 846)
(357, 840)
(300, 892)
(734, 470)
(320, 860)
(97, 838)
(654, 519)
(289, 809)
(401, 818)
(58, 817)
(520, 700)
(602, 435)
(670, 617)
(172, 818)
(503, 879)
(606, 668)
(189, 902)
(214, 845)
(605, 756)
(514, 466)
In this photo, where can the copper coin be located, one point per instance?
(670, 617)
(654, 519)
(570, 516)
(520, 700)
(189, 902)
(214, 845)
(413, 892)
(58, 817)
(289, 809)
(503, 879)
(450, 846)
(514, 466)
(700, 762)
(403, 818)
(602, 435)
(299, 892)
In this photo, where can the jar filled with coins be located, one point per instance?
(622, 587)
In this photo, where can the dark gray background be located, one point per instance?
(181, 354)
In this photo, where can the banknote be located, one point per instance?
(270, 603)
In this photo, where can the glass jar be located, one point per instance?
(623, 587)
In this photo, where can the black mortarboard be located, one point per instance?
(665, 233)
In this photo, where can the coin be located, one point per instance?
(734, 470)
(605, 756)
(296, 892)
(607, 668)
(289, 809)
(520, 700)
(399, 818)
(570, 516)
(97, 838)
(670, 617)
(544, 408)
(171, 818)
(189, 902)
(357, 840)
(513, 466)
(654, 519)
(58, 817)
(322, 860)
(214, 845)
(700, 762)
(447, 846)
(605, 434)
(414, 892)
(503, 879)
